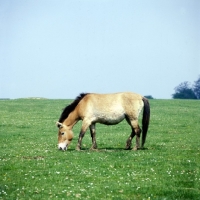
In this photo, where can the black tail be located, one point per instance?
(145, 119)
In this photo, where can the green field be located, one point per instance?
(31, 167)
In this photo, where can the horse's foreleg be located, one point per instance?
(93, 135)
(85, 125)
(81, 135)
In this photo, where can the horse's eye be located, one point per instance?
(62, 133)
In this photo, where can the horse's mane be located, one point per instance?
(68, 109)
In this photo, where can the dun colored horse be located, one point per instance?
(106, 109)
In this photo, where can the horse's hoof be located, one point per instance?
(135, 148)
(127, 148)
(93, 149)
(78, 148)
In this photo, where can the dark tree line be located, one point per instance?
(187, 91)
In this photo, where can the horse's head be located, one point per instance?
(65, 136)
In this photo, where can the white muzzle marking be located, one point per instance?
(62, 146)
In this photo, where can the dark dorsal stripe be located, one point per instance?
(68, 109)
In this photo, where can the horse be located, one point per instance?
(108, 109)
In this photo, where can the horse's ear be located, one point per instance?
(59, 125)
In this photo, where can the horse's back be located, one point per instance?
(112, 96)
(111, 106)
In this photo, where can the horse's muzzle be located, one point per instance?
(62, 147)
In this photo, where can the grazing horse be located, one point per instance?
(106, 109)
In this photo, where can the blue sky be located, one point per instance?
(60, 48)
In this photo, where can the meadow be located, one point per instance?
(31, 166)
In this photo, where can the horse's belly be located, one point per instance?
(110, 119)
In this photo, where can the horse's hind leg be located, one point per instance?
(138, 131)
(135, 131)
(93, 135)
(129, 140)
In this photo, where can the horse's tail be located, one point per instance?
(145, 119)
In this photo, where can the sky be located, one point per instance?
(58, 49)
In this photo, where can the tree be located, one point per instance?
(196, 88)
(184, 91)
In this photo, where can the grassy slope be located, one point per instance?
(31, 167)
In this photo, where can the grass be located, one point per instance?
(31, 167)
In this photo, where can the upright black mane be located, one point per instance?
(68, 109)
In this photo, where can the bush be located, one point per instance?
(149, 97)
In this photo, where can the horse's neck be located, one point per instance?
(72, 119)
